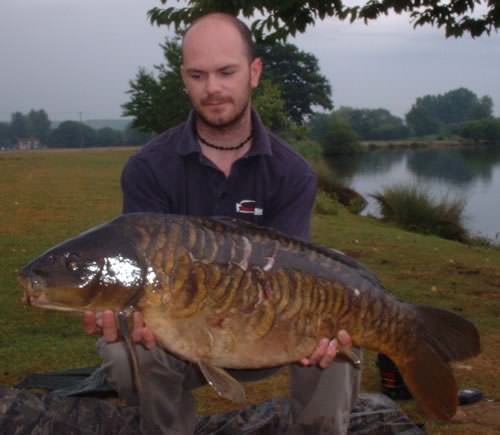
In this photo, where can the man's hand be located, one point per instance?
(327, 349)
(104, 324)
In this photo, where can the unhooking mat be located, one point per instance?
(76, 405)
(25, 413)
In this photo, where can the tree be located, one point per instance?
(19, 125)
(72, 134)
(431, 112)
(334, 132)
(106, 136)
(39, 124)
(299, 77)
(374, 124)
(487, 130)
(35, 124)
(287, 17)
(368, 124)
(157, 103)
(6, 139)
(340, 138)
(270, 105)
(133, 136)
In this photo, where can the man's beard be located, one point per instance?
(223, 125)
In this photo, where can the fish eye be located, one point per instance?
(72, 261)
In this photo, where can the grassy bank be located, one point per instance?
(51, 195)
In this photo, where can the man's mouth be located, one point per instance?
(215, 102)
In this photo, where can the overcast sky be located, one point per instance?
(71, 56)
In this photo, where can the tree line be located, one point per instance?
(289, 96)
(456, 114)
(35, 130)
(291, 92)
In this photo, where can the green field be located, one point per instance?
(47, 196)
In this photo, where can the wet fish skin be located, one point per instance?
(224, 293)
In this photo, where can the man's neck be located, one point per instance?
(226, 137)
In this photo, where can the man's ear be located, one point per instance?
(255, 72)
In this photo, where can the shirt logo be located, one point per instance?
(247, 206)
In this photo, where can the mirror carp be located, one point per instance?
(224, 293)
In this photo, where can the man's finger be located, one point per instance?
(138, 319)
(345, 348)
(109, 330)
(319, 351)
(345, 339)
(330, 354)
(148, 338)
(138, 326)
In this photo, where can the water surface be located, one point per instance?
(472, 173)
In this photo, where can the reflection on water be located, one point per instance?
(469, 172)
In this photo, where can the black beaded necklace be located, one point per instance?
(217, 147)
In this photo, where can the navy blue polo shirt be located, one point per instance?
(270, 185)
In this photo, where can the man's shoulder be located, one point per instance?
(162, 145)
(285, 157)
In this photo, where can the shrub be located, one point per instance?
(298, 138)
(346, 196)
(484, 130)
(325, 204)
(334, 133)
(414, 208)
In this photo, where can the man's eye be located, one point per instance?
(195, 76)
(227, 73)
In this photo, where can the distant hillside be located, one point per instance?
(115, 124)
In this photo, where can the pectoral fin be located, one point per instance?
(223, 383)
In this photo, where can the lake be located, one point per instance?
(472, 173)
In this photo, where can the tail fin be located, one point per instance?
(442, 336)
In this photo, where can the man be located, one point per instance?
(222, 161)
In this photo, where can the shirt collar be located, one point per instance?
(261, 144)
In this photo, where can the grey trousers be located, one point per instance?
(168, 407)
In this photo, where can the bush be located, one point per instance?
(346, 196)
(325, 204)
(415, 209)
(297, 137)
(334, 133)
(340, 138)
(484, 130)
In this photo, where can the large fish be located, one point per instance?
(227, 294)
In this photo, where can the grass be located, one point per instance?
(48, 196)
(414, 208)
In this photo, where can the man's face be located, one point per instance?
(217, 72)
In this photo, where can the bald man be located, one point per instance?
(222, 162)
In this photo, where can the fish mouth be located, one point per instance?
(33, 294)
(25, 283)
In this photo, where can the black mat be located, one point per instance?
(81, 402)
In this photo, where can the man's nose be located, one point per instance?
(212, 84)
